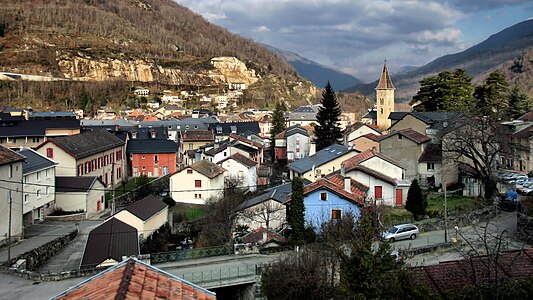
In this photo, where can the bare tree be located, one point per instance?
(265, 214)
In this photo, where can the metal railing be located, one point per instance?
(163, 257)
(222, 277)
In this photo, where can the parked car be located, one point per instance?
(507, 204)
(399, 232)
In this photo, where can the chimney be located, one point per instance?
(265, 237)
(347, 180)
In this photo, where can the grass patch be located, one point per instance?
(454, 202)
(188, 212)
(194, 213)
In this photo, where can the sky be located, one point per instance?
(356, 36)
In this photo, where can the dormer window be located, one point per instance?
(134, 134)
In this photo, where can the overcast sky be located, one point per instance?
(356, 36)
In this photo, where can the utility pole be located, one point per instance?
(113, 187)
(445, 215)
(9, 232)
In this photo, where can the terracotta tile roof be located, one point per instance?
(370, 136)
(206, 168)
(356, 187)
(525, 133)
(197, 135)
(245, 140)
(262, 236)
(528, 117)
(409, 133)
(241, 159)
(384, 81)
(366, 155)
(336, 186)
(133, 279)
(8, 156)
(512, 265)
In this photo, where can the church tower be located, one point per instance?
(384, 99)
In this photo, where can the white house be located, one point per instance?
(376, 161)
(141, 92)
(39, 176)
(197, 183)
(11, 191)
(356, 130)
(146, 215)
(80, 194)
(241, 168)
(382, 188)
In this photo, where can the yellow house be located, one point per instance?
(146, 215)
(191, 140)
(322, 163)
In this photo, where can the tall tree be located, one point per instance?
(328, 132)
(492, 98)
(448, 91)
(416, 202)
(519, 103)
(297, 212)
(278, 125)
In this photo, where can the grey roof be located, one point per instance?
(34, 161)
(321, 157)
(304, 113)
(160, 132)
(371, 114)
(397, 115)
(23, 128)
(53, 114)
(295, 129)
(113, 239)
(122, 123)
(279, 193)
(145, 208)
(235, 127)
(151, 146)
(66, 184)
(87, 143)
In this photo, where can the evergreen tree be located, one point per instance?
(278, 125)
(297, 212)
(448, 91)
(416, 203)
(328, 132)
(492, 96)
(519, 103)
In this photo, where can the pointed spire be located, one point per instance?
(384, 81)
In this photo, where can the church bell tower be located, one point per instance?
(384, 99)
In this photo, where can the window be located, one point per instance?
(199, 195)
(323, 196)
(143, 157)
(241, 174)
(144, 168)
(10, 171)
(36, 139)
(189, 171)
(38, 176)
(335, 214)
(186, 126)
(38, 193)
(47, 173)
(50, 152)
(225, 153)
(155, 159)
(80, 170)
(378, 192)
(99, 162)
(198, 183)
(26, 198)
(25, 179)
(430, 166)
(47, 191)
(13, 140)
(190, 146)
(399, 137)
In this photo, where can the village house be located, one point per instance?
(152, 157)
(11, 171)
(241, 170)
(322, 163)
(294, 143)
(356, 130)
(430, 123)
(141, 92)
(39, 186)
(405, 146)
(84, 194)
(197, 183)
(146, 215)
(190, 141)
(303, 116)
(108, 243)
(94, 153)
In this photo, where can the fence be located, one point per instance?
(221, 277)
(163, 257)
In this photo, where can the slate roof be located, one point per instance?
(432, 153)
(398, 115)
(196, 135)
(223, 146)
(67, 184)
(454, 275)
(8, 156)
(235, 127)
(36, 127)
(371, 114)
(409, 133)
(34, 161)
(86, 143)
(207, 168)
(364, 156)
(245, 161)
(279, 193)
(145, 208)
(245, 148)
(321, 157)
(160, 132)
(384, 80)
(134, 279)
(304, 113)
(111, 240)
(294, 129)
(151, 146)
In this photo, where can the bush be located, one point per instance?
(169, 201)
(434, 213)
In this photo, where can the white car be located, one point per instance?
(399, 232)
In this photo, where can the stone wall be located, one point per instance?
(72, 217)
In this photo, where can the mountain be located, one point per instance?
(509, 51)
(317, 73)
(146, 42)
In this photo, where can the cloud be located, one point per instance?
(354, 35)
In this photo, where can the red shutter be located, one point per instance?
(378, 192)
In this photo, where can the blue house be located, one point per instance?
(331, 198)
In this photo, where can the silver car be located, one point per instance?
(399, 232)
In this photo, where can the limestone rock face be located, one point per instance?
(82, 67)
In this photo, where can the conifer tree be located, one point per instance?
(328, 132)
(297, 212)
(278, 125)
(416, 203)
(519, 103)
